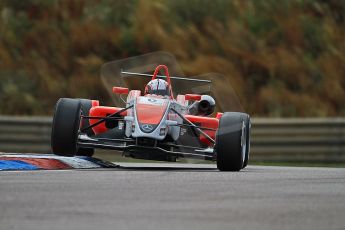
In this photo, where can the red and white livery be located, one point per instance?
(153, 125)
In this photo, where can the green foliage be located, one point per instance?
(17, 94)
(284, 58)
(197, 11)
(111, 13)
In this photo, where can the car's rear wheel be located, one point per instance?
(65, 128)
(231, 141)
(86, 105)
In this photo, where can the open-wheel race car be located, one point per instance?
(153, 125)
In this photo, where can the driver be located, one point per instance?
(158, 87)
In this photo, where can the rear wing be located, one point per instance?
(128, 74)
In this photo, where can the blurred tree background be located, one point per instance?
(284, 58)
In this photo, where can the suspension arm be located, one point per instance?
(105, 118)
(195, 127)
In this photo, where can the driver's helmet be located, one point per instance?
(158, 87)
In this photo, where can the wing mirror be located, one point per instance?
(120, 90)
(193, 97)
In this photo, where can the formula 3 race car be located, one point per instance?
(153, 126)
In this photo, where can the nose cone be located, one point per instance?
(150, 112)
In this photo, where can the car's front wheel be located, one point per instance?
(232, 141)
(65, 128)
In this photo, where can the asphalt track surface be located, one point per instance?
(160, 196)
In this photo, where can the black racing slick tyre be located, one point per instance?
(65, 128)
(86, 105)
(231, 141)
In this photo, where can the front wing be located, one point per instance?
(137, 148)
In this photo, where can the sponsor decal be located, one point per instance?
(147, 127)
(151, 101)
(183, 131)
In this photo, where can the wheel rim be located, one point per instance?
(243, 141)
